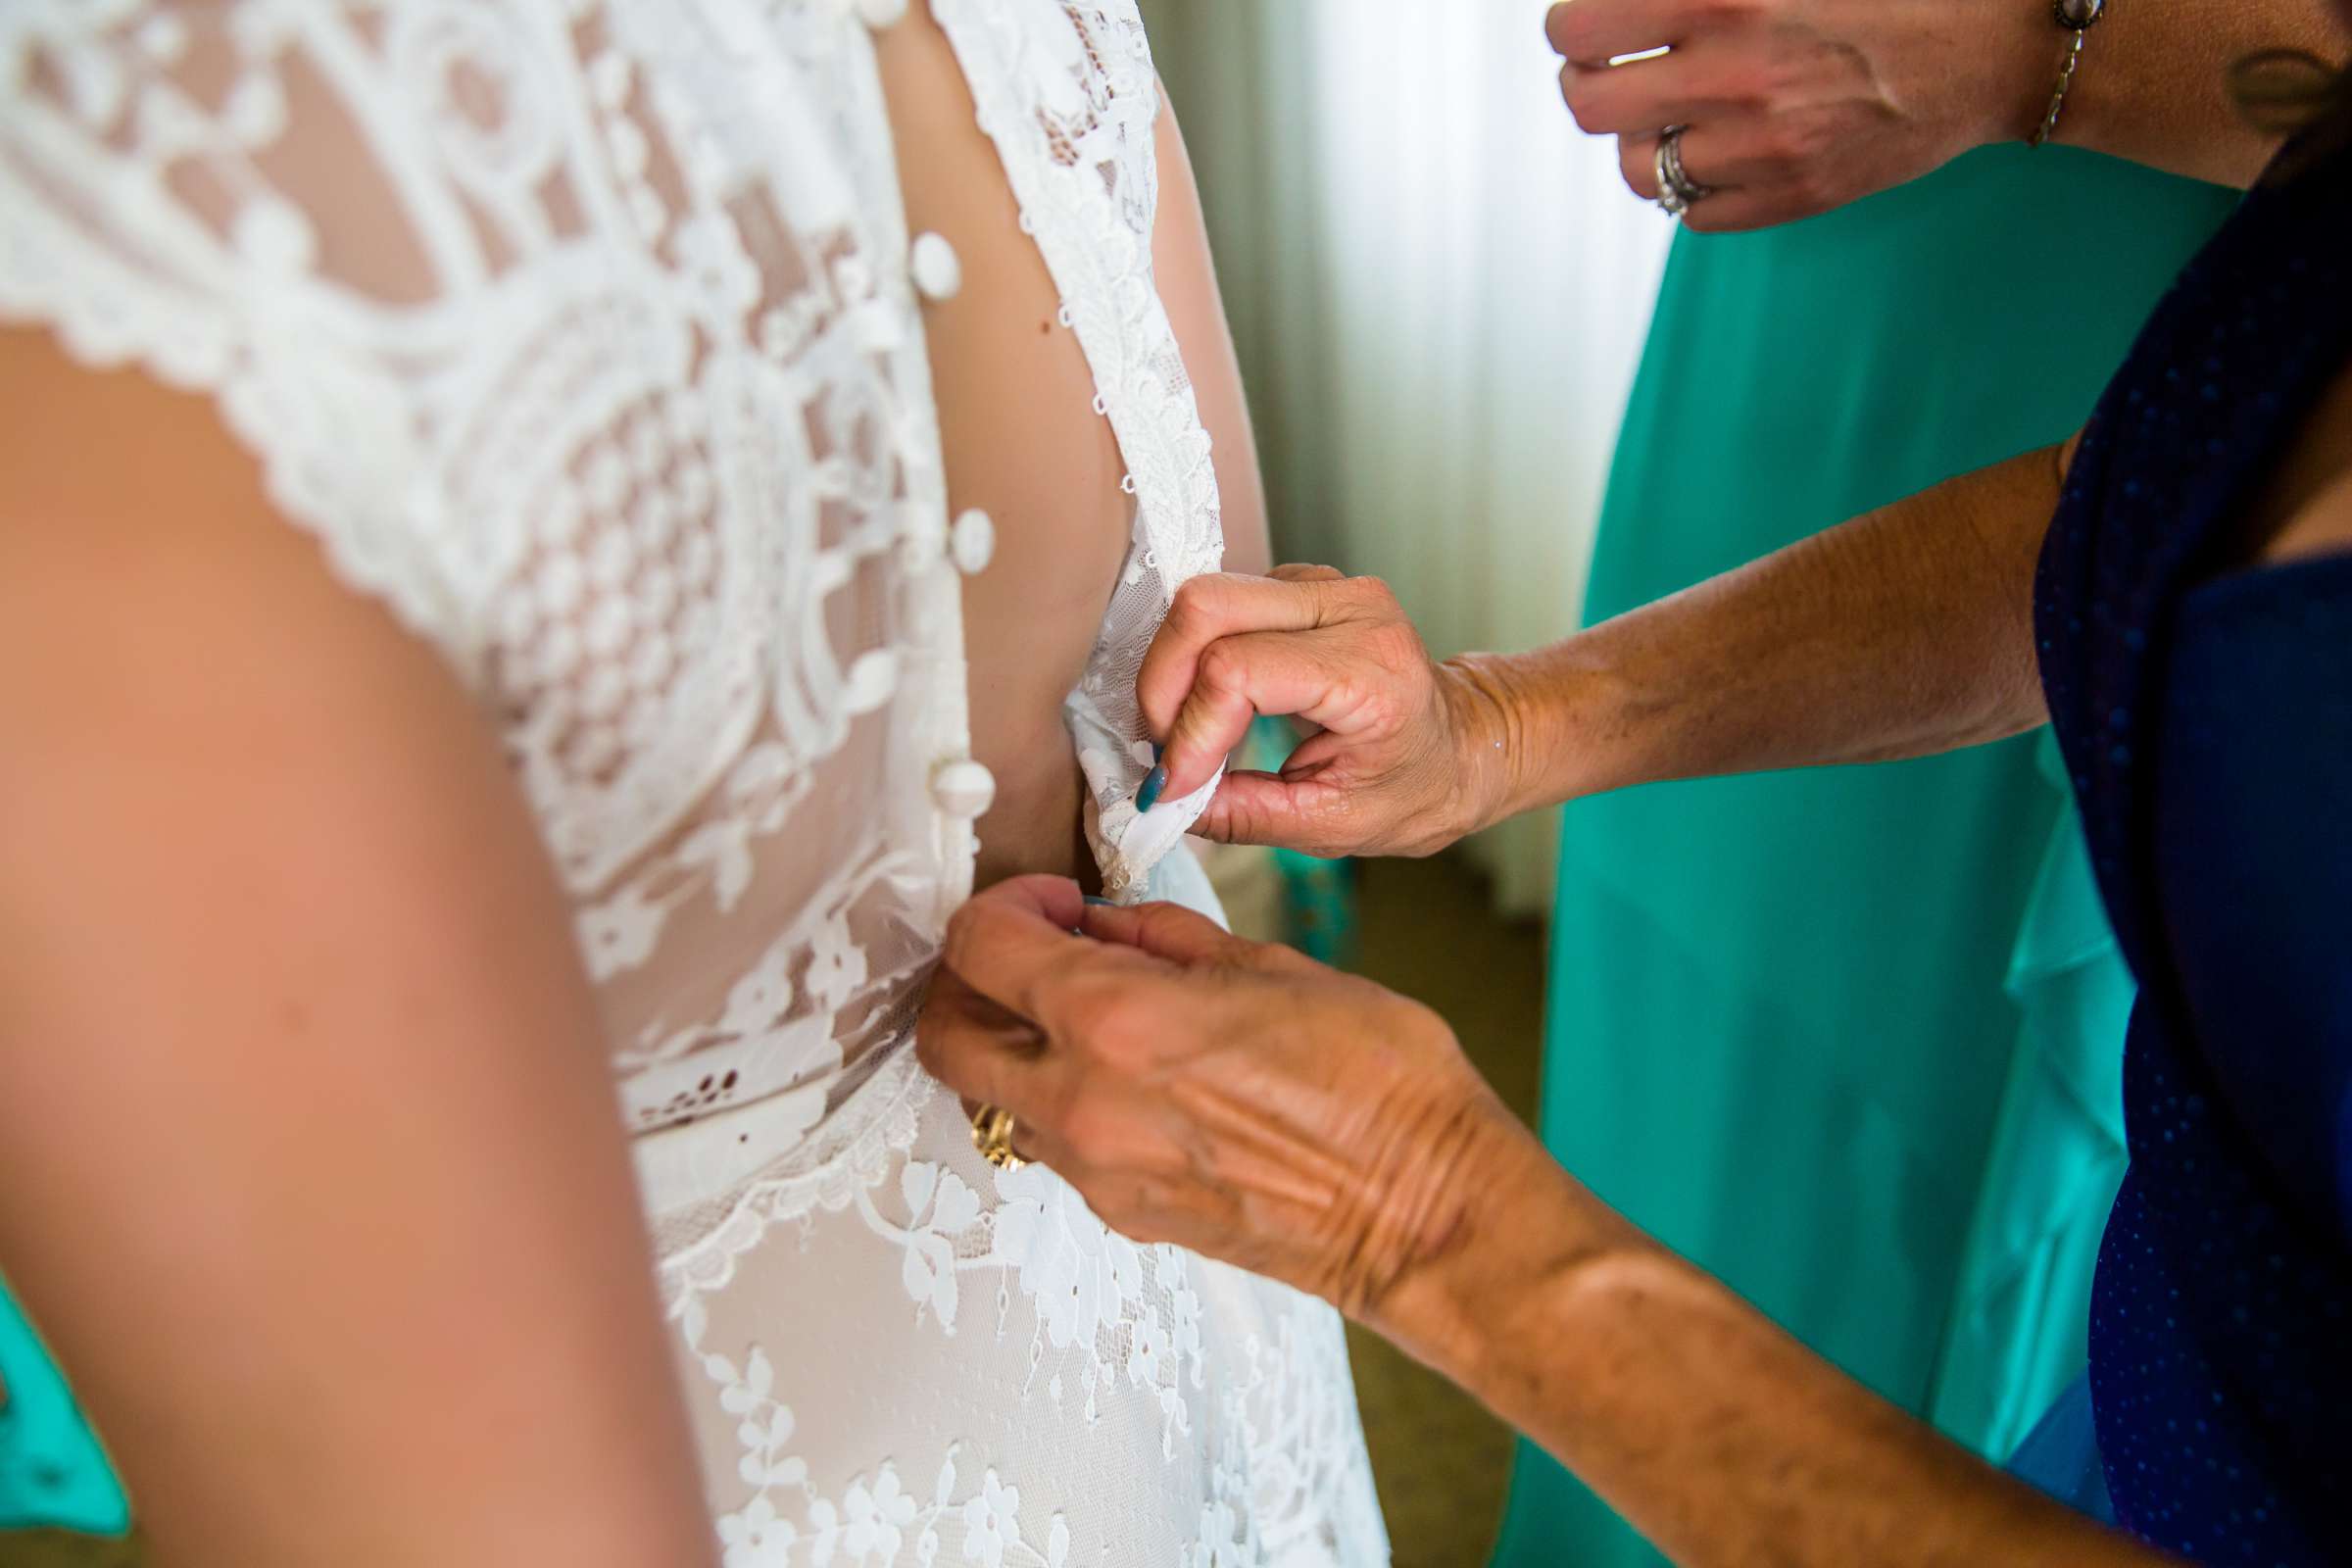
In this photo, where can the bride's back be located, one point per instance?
(596, 340)
(700, 383)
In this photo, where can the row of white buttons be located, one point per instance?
(970, 542)
(961, 789)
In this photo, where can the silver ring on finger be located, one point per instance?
(1677, 190)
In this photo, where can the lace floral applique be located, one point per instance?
(873, 1519)
(1104, 1309)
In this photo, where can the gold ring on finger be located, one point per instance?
(992, 1136)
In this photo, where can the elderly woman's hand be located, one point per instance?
(1238, 1100)
(1406, 755)
(1252, 1105)
(1794, 107)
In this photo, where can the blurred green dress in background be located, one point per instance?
(1853, 1038)
(52, 1475)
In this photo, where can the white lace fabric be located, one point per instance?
(581, 333)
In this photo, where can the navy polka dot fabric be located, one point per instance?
(2205, 710)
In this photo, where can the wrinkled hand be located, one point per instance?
(1794, 107)
(1235, 1098)
(1405, 756)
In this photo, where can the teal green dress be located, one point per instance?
(52, 1475)
(1850, 1037)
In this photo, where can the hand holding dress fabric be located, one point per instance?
(1252, 1105)
(1231, 1096)
(1404, 754)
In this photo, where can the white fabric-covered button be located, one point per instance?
(973, 542)
(880, 14)
(871, 680)
(963, 789)
(938, 269)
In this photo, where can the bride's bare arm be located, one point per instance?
(1188, 286)
(308, 1164)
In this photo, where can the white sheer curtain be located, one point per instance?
(1439, 288)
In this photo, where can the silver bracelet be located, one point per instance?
(2076, 17)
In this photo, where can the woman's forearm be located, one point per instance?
(2153, 82)
(1714, 1432)
(1904, 632)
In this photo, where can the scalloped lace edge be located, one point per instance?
(884, 1134)
(140, 338)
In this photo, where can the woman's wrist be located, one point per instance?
(1545, 727)
(1483, 726)
(1517, 1227)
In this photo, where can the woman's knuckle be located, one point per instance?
(1396, 646)
(1109, 1023)
(1224, 669)
(1194, 606)
(1590, 103)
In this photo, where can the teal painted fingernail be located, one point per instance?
(1101, 902)
(1155, 784)
(1159, 752)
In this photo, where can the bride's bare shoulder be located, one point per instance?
(146, 578)
(87, 451)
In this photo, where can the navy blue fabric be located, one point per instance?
(2205, 712)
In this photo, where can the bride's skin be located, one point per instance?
(1023, 443)
(309, 1165)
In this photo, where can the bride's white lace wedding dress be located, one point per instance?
(587, 335)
